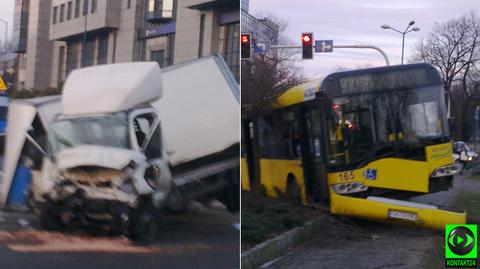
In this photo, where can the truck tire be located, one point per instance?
(176, 203)
(230, 196)
(48, 220)
(144, 228)
(143, 224)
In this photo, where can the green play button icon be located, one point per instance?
(460, 240)
(461, 245)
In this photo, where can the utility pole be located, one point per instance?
(387, 62)
(416, 29)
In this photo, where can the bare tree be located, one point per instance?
(268, 75)
(454, 48)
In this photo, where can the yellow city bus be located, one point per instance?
(358, 143)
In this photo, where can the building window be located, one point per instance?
(72, 56)
(85, 7)
(201, 35)
(114, 47)
(62, 12)
(69, 10)
(55, 14)
(129, 3)
(158, 56)
(88, 52)
(94, 6)
(77, 8)
(161, 9)
(61, 68)
(102, 49)
(232, 49)
(170, 49)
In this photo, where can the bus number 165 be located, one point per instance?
(346, 176)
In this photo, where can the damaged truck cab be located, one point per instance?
(107, 149)
(105, 164)
(120, 152)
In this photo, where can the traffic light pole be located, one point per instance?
(387, 62)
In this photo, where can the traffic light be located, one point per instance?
(307, 45)
(246, 44)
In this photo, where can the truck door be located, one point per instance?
(314, 153)
(147, 138)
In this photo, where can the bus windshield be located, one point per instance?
(369, 124)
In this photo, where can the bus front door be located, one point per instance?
(314, 154)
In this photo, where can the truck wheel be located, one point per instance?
(176, 203)
(230, 196)
(144, 228)
(48, 221)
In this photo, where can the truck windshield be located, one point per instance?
(105, 130)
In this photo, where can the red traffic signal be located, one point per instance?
(245, 38)
(246, 46)
(306, 39)
(307, 45)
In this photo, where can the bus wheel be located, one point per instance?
(293, 194)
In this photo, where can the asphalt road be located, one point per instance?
(204, 238)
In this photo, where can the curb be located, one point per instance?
(275, 247)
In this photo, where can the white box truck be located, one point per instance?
(132, 141)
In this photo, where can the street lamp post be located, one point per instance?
(6, 36)
(416, 29)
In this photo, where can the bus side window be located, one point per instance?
(291, 136)
(266, 136)
(272, 138)
(261, 134)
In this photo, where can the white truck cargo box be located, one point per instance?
(111, 88)
(199, 109)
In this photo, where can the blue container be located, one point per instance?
(18, 195)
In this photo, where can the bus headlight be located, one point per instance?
(351, 187)
(444, 171)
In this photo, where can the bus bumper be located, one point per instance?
(395, 211)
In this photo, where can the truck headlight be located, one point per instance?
(444, 171)
(351, 187)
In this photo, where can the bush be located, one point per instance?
(260, 223)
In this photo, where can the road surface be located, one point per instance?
(205, 238)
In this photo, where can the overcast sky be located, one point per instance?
(350, 22)
(6, 14)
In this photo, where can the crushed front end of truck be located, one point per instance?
(96, 187)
